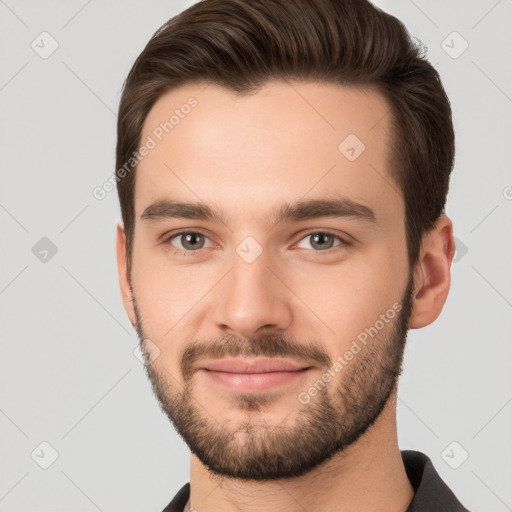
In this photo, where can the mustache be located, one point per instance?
(264, 345)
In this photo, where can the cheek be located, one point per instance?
(167, 294)
(352, 295)
(155, 293)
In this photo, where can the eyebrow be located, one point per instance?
(294, 212)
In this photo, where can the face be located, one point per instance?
(268, 226)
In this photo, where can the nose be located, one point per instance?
(252, 298)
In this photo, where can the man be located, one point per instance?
(282, 171)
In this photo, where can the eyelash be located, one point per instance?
(180, 252)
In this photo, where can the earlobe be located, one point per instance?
(432, 273)
(124, 278)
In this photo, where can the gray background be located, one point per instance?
(69, 376)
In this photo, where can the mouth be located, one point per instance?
(262, 365)
(252, 375)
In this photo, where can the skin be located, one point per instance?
(301, 300)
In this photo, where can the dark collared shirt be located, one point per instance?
(431, 494)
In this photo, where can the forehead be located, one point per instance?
(249, 153)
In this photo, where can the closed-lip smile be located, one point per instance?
(261, 365)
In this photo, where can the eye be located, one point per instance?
(323, 241)
(191, 241)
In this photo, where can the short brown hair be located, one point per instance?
(242, 44)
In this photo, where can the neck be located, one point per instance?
(367, 476)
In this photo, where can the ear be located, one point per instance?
(432, 273)
(122, 270)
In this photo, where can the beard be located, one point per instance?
(335, 418)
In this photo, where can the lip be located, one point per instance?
(252, 375)
(251, 366)
(252, 382)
